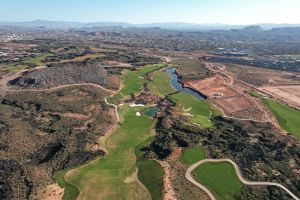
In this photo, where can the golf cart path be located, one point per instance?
(116, 108)
(189, 177)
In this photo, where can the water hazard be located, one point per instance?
(174, 81)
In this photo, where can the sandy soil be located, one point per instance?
(233, 103)
(52, 192)
(287, 93)
(169, 191)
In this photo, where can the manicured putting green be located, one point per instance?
(220, 178)
(198, 111)
(150, 172)
(191, 155)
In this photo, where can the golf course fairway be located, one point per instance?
(287, 117)
(114, 176)
(199, 112)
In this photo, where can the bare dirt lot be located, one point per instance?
(233, 103)
(263, 77)
(287, 93)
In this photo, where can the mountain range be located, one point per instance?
(166, 25)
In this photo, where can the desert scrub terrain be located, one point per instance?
(261, 153)
(63, 75)
(191, 69)
(44, 132)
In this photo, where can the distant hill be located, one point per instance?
(253, 28)
(167, 25)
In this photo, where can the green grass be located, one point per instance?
(254, 94)
(192, 155)
(132, 81)
(150, 173)
(13, 68)
(160, 83)
(288, 118)
(37, 60)
(202, 111)
(106, 178)
(220, 178)
(71, 192)
(112, 177)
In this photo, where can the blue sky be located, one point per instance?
(146, 11)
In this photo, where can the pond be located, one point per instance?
(174, 81)
(151, 111)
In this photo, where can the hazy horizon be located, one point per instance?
(229, 12)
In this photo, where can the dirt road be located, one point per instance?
(190, 178)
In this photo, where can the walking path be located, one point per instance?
(116, 108)
(190, 178)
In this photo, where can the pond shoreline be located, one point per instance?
(179, 85)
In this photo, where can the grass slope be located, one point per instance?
(202, 111)
(37, 60)
(220, 179)
(112, 177)
(191, 155)
(70, 192)
(13, 68)
(160, 83)
(150, 173)
(288, 118)
(133, 81)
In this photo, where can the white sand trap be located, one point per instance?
(138, 114)
(188, 114)
(137, 105)
(187, 109)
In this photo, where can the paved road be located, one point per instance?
(190, 178)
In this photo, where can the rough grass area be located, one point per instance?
(192, 155)
(13, 68)
(288, 118)
(160, 83)
(38, 60)
(113, 177)
(220, 179)
(150, 172)
(254, 94)
(70, 192)
(191, 69)
(133, 81)
(199, 112)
